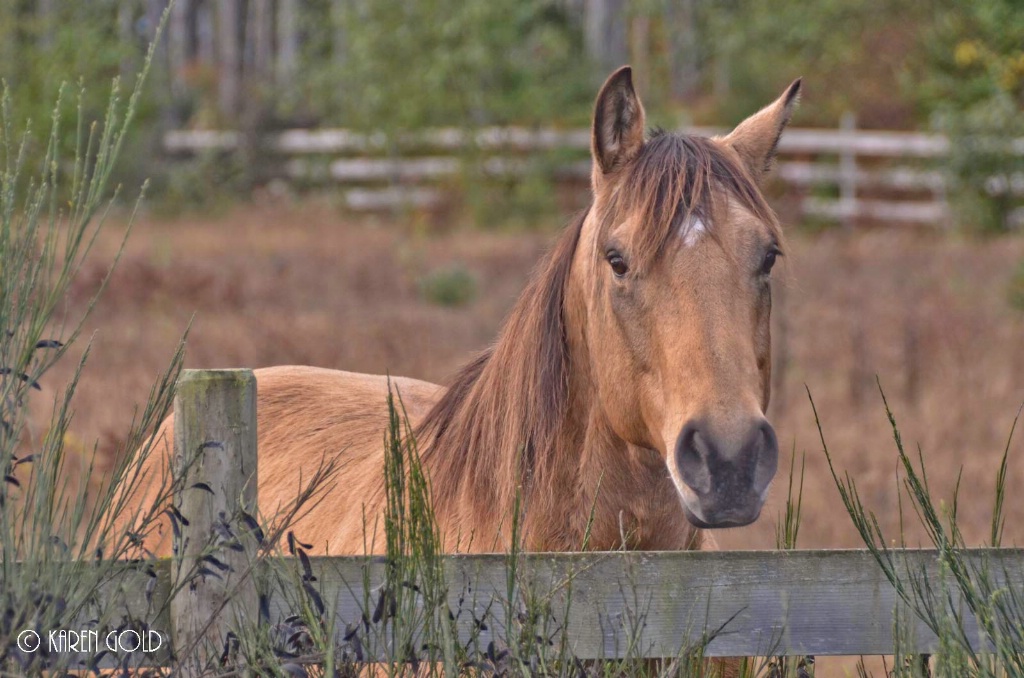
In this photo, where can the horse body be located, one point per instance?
(624, 397)
(307, 414)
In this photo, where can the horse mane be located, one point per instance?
(489, 433)
(495, 433)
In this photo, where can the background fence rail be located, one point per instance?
(846, 175)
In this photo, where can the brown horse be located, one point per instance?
(629, 382)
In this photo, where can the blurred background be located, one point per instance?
(365, 185)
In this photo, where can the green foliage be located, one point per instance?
(48, 523)
(451, 286)
(393, 66)
(443, 63)
(971, 81)
(788, 527)
(40, 51)
(753, 49)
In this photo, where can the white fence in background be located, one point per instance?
(847, 175)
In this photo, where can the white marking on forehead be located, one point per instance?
(692, 229)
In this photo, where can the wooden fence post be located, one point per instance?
(215, 448)
(848, 174)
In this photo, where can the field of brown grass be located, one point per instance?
(284, 283)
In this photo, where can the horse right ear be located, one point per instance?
(756, 139)
(618, 133)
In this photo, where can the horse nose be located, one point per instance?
(729, 481)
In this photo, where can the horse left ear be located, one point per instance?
(618, 132)
(756, 138)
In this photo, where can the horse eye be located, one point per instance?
(769, 261)
(618, 264)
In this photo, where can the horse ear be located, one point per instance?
(756, 138)
(618, 133)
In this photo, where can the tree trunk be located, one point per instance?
(44, 12)
(684, 55)
(640, 48)
(287, 44)
(206, 43)
(229, 20)
(259, 42)
(604, 26)
(126, 36)
(179, 44)
(339, 44)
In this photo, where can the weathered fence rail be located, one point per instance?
(857, 166)
(654, 604)
(765, 603)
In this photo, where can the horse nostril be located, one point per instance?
(692, 453)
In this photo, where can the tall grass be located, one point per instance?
(68, 542)
(58, 543)
(958, 586)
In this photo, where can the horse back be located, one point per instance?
(306, 417)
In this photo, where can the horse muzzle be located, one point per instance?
(726, 484)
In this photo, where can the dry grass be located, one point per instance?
(283, 283)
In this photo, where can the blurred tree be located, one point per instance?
(850, 53)
(44, 43)
(605, 32)
(408, 65)
(970, 81)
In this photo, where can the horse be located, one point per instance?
(625, 395)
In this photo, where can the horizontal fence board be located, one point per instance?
(344, 141)
(796, 140)
(764, 602)
(392, 197)
(416, 170)
(929, 213)
(800, 602)
(800, 173)
(864, 142)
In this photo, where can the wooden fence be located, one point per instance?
(843, 175)
(644, 604)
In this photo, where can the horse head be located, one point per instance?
(671, 290)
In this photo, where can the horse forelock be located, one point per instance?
(675, 184)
